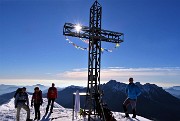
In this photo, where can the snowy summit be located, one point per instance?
(8, 113)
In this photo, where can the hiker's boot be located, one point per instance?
(28, 119)
(134, 113)
(134, 116)
(126, 115)
(39, 118)
(35, 118)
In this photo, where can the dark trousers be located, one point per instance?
(37, 111)
(50, 101)
(132, 102)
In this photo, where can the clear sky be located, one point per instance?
(33, 48)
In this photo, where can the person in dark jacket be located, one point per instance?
(132, 92)
(51, 96)
(22, 101)
(37, 101)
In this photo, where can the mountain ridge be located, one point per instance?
(175, 91)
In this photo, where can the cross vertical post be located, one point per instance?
(94, 61)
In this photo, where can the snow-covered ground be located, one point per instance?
(8, 113)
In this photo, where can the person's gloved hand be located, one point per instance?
(15, 106)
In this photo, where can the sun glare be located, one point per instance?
(78, 27)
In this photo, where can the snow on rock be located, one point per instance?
(8, 113)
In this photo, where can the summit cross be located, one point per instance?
(96, 35)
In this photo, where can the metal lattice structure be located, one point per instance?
(95, 35)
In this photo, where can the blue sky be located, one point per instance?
(33, 48)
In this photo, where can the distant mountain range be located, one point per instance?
(176, 87)
(11, 88)
(7, 88)
(154, 102)
(4, 98)
(175, 91)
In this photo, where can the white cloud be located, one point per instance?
(144, 75)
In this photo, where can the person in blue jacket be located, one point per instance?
(132, 92)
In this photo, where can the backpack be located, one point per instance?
(22, 97)
(108, 114)
(17, 92)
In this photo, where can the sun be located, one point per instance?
(78, 27)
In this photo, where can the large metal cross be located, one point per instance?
(95, 35)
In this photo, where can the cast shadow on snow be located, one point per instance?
(134, 119)
(122, 117)
(46, 118)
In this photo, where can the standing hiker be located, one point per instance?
(51, 95)
(132, 92)
(22, 101)
(37, 101)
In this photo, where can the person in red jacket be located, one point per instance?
(51, 96)
(37, 100)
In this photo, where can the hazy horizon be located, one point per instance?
(62, 84)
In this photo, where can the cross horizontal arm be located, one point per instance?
(70, 30)
(110, 36)
(89, 33)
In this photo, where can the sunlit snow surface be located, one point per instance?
(8, 113)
